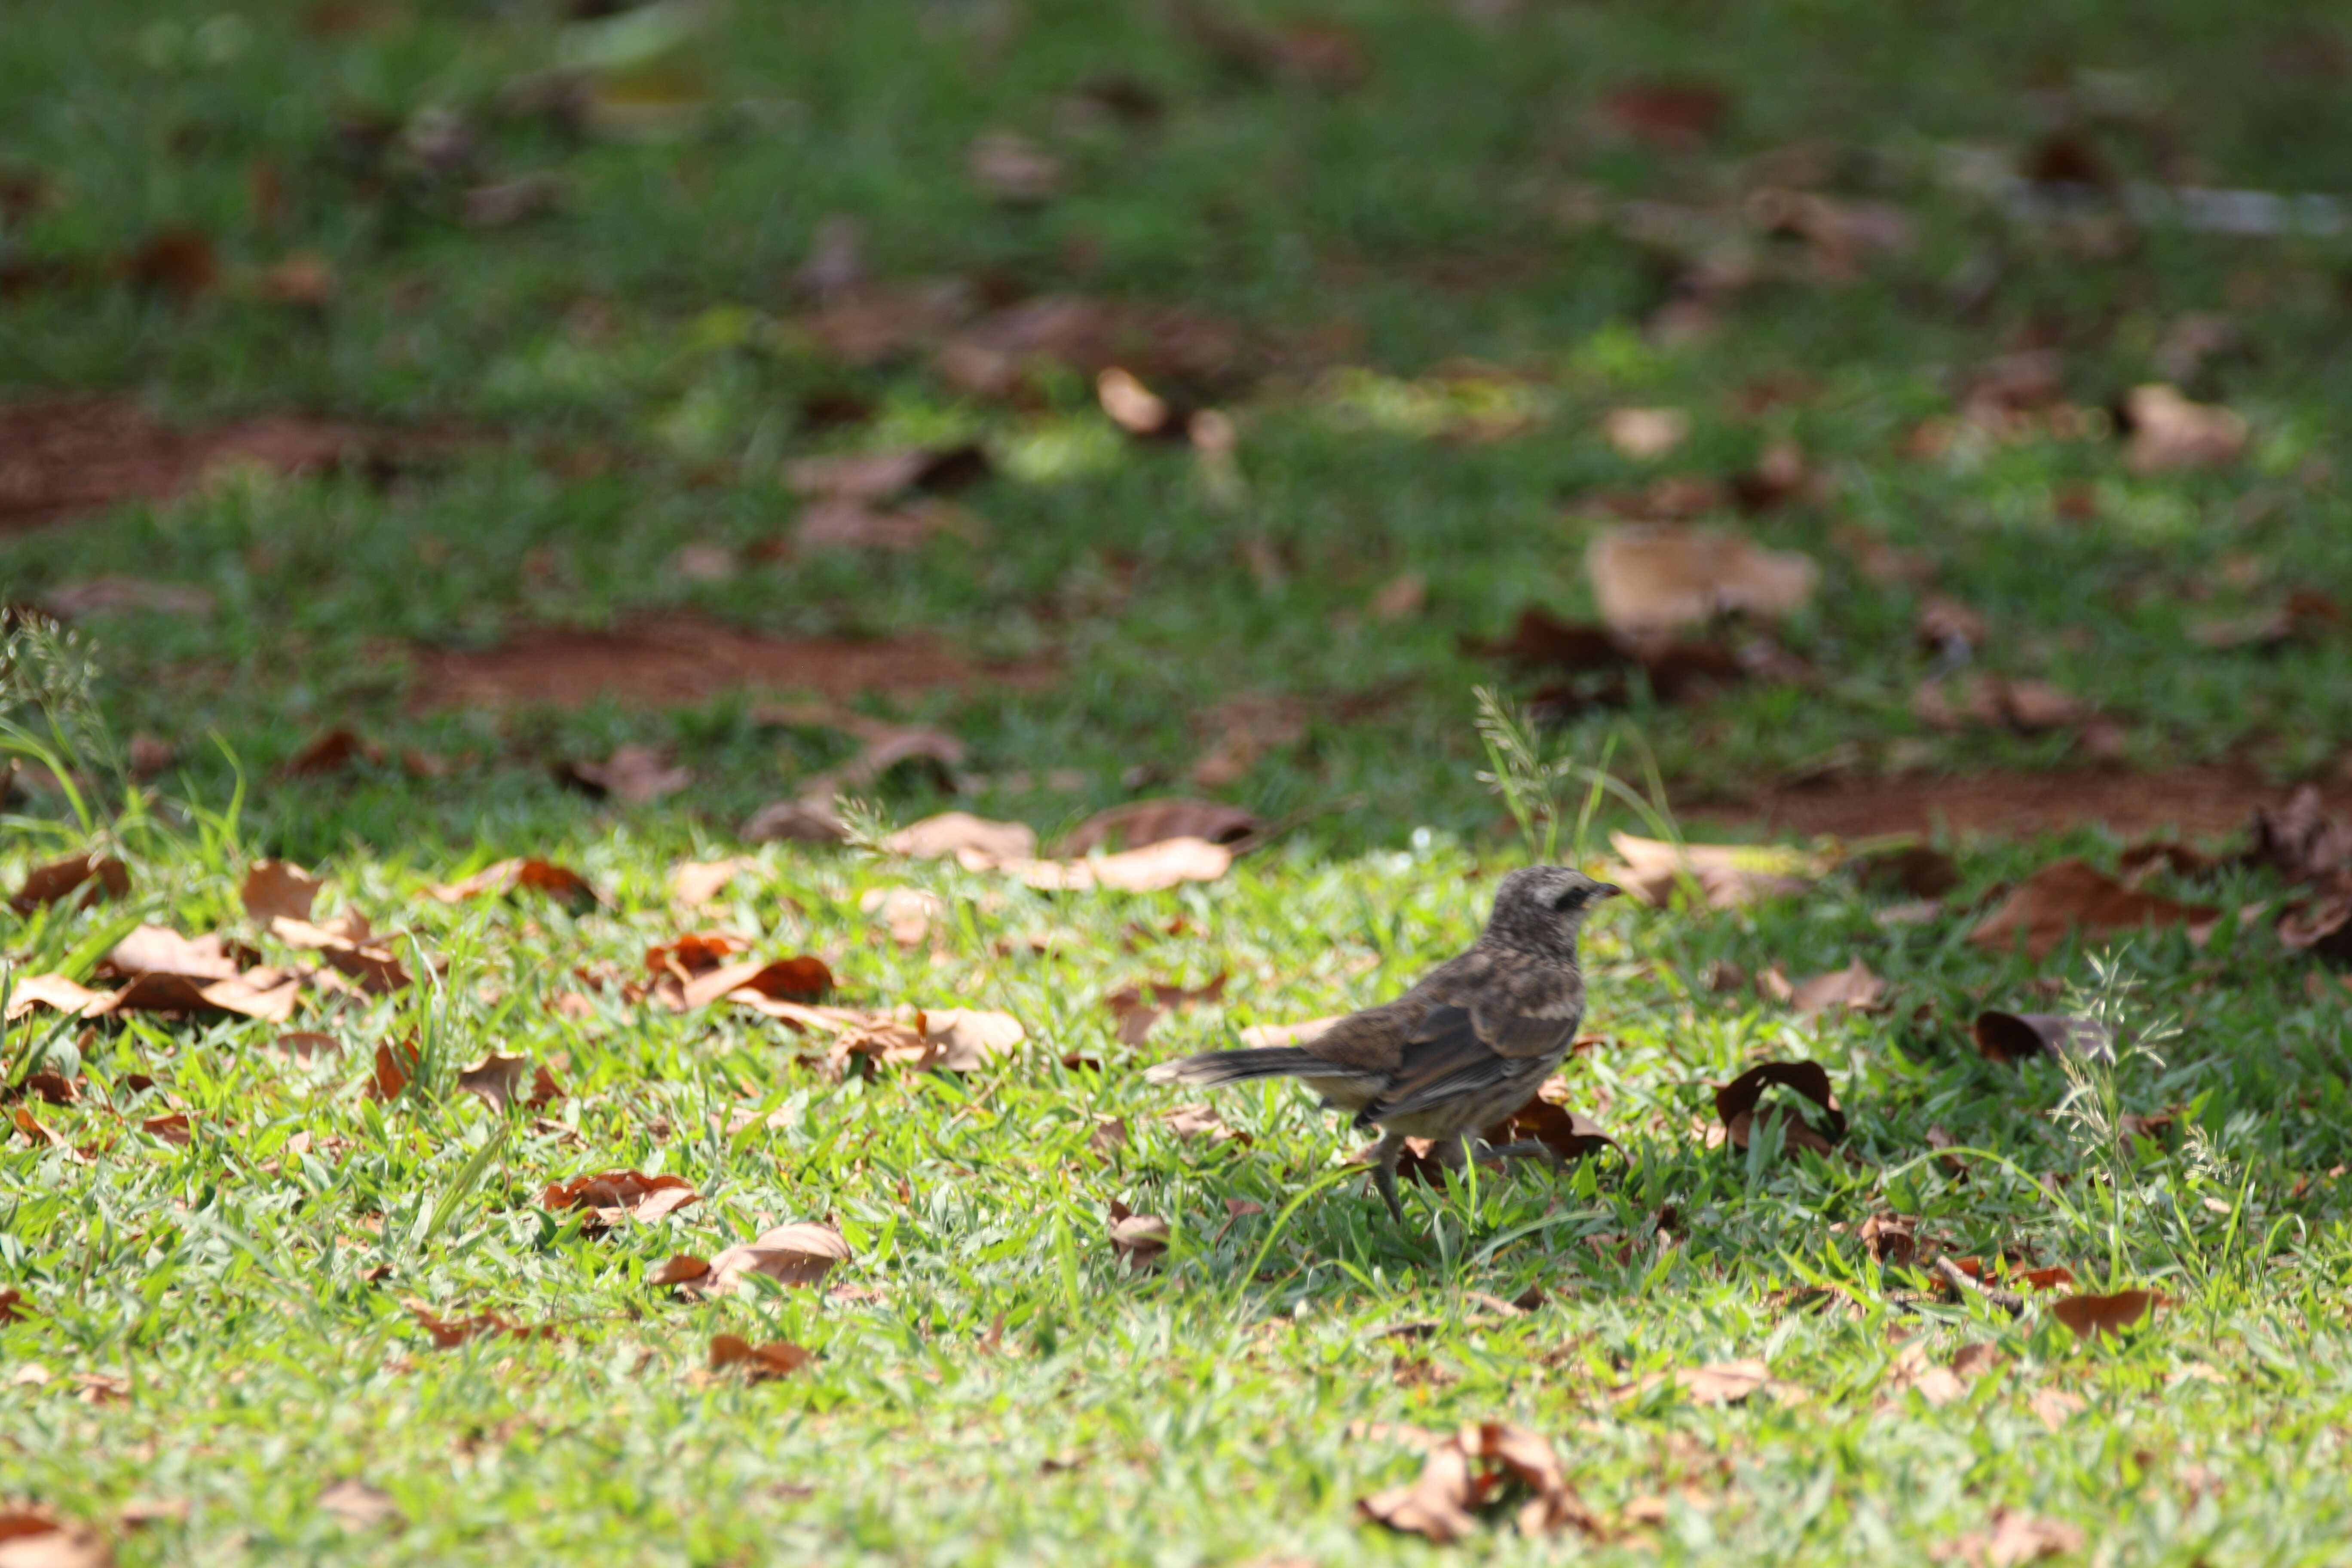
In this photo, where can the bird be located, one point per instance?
(1465, 1047)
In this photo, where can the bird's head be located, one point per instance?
(1539, 910)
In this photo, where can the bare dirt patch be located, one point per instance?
(63, 455)
(677, 663)
(2202, 803)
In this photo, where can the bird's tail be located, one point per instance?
(1232, 1066)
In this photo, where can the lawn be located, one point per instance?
(457, 433)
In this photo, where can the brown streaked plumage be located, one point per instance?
(1464, 1048)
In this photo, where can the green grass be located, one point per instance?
(1200, 1413)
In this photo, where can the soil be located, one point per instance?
(684, 661)
(63, 455)
(2197, 803)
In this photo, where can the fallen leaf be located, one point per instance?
(330, 753)
(1916, 869)
(695, 883)
(157, 950)
(966, 1039)
(2091, 1316)
(1013, 169)
(1001, 356)
(177, 261)
(2010, 1038)
(278, 890)
(2055, 1406)
(1109, 1135)
(683, 1268)
(975, 842)
(1557, 1128)
(1651, 577)
(2169, 433)
(1728, 875)
(2299, 840)
(350, 948)
(1997, 701)
(33, 1536)
(798, 1254)
(2072, 894)
(519, 875)
(309, 1045)
(777, 1358)
(1645, 434)
(55, 992)
(2014, 1538)
(1151, 870)
(173, 1128)
(1855, 987)
(637, 775)
(616, 1193)
(1140, 1239)
(1735, 1105)
(1891, 1239)
(1437, 1505)
(1201, 1122)
(910, 914)
(798, 979)
(448, 1334)
(107, 877)
(395, 1067)
(1138, 1007)
(360, 1505)
(1246, 728)
(1678, 116)
(1723, 1383)
(879, 477)
(495, 1079)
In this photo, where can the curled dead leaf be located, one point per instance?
(1735, 1105)
(683, 1268)
(633, 1192)
(1142, 824)
(1140, 1239)
(278, 890)
(106, 877)
(797, 1255)
(1855, 987)
(2010, 1038)
(522, 874)
(637, 775)
(1723, 1383)
(2072, 895)
(1138, 1007)
(1728, 875)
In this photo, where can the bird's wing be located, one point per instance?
(1518, 1006)
(1450, 1060)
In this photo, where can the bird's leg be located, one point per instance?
(1385, 1154)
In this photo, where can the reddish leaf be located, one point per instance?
(797, 1255)
(1147, 822)
(800, 979)
(394, 1065)
(520, 874)
(278, 890)
(1678, 116)
(2091, 1316)
(107, 877)
(778, 1358)
(2010, 1038)
(633, 1192)
(1735, 1104)
(1138, 1007)
(682, 1269)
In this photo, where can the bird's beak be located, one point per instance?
(1606, 889)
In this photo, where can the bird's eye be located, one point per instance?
(1569, 900)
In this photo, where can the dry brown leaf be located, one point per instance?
(1891, 1239)
(1854, 987)
(54, 992)
(683, 1268)
(2015, 1538)
(1654, 577)
(613, 1194)
(351, 948)
(2091, 1316)
(798, 1254)
(1437, 1505)
(1143, 823)
(1401, 599)
(1544, 1121)
(155, 950)
(1730, 875)
(2053, 1407)
(1109, 1135)
(777, 1358)
(695, 883)
(879, 477)
(909, 913)
(360, 1505)
(498, 1080)
(33, 1536)
(309, 1045)
(330, 753)
(1140, 1239)
(1723, 1383)
(637, 775)
(1152, 870)
(1138, 1007)
(1246, 728)
(1645, 434)
(173, 1127)
(802, 978)
(2169, 433)
(2010, 1038)
(1201, 1122)
(395, 1067)
(1735, 1105)
(522, 874)
(107, 877)
(975, 842)
(2071, 895)
(278, 890)
(966, 1039)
